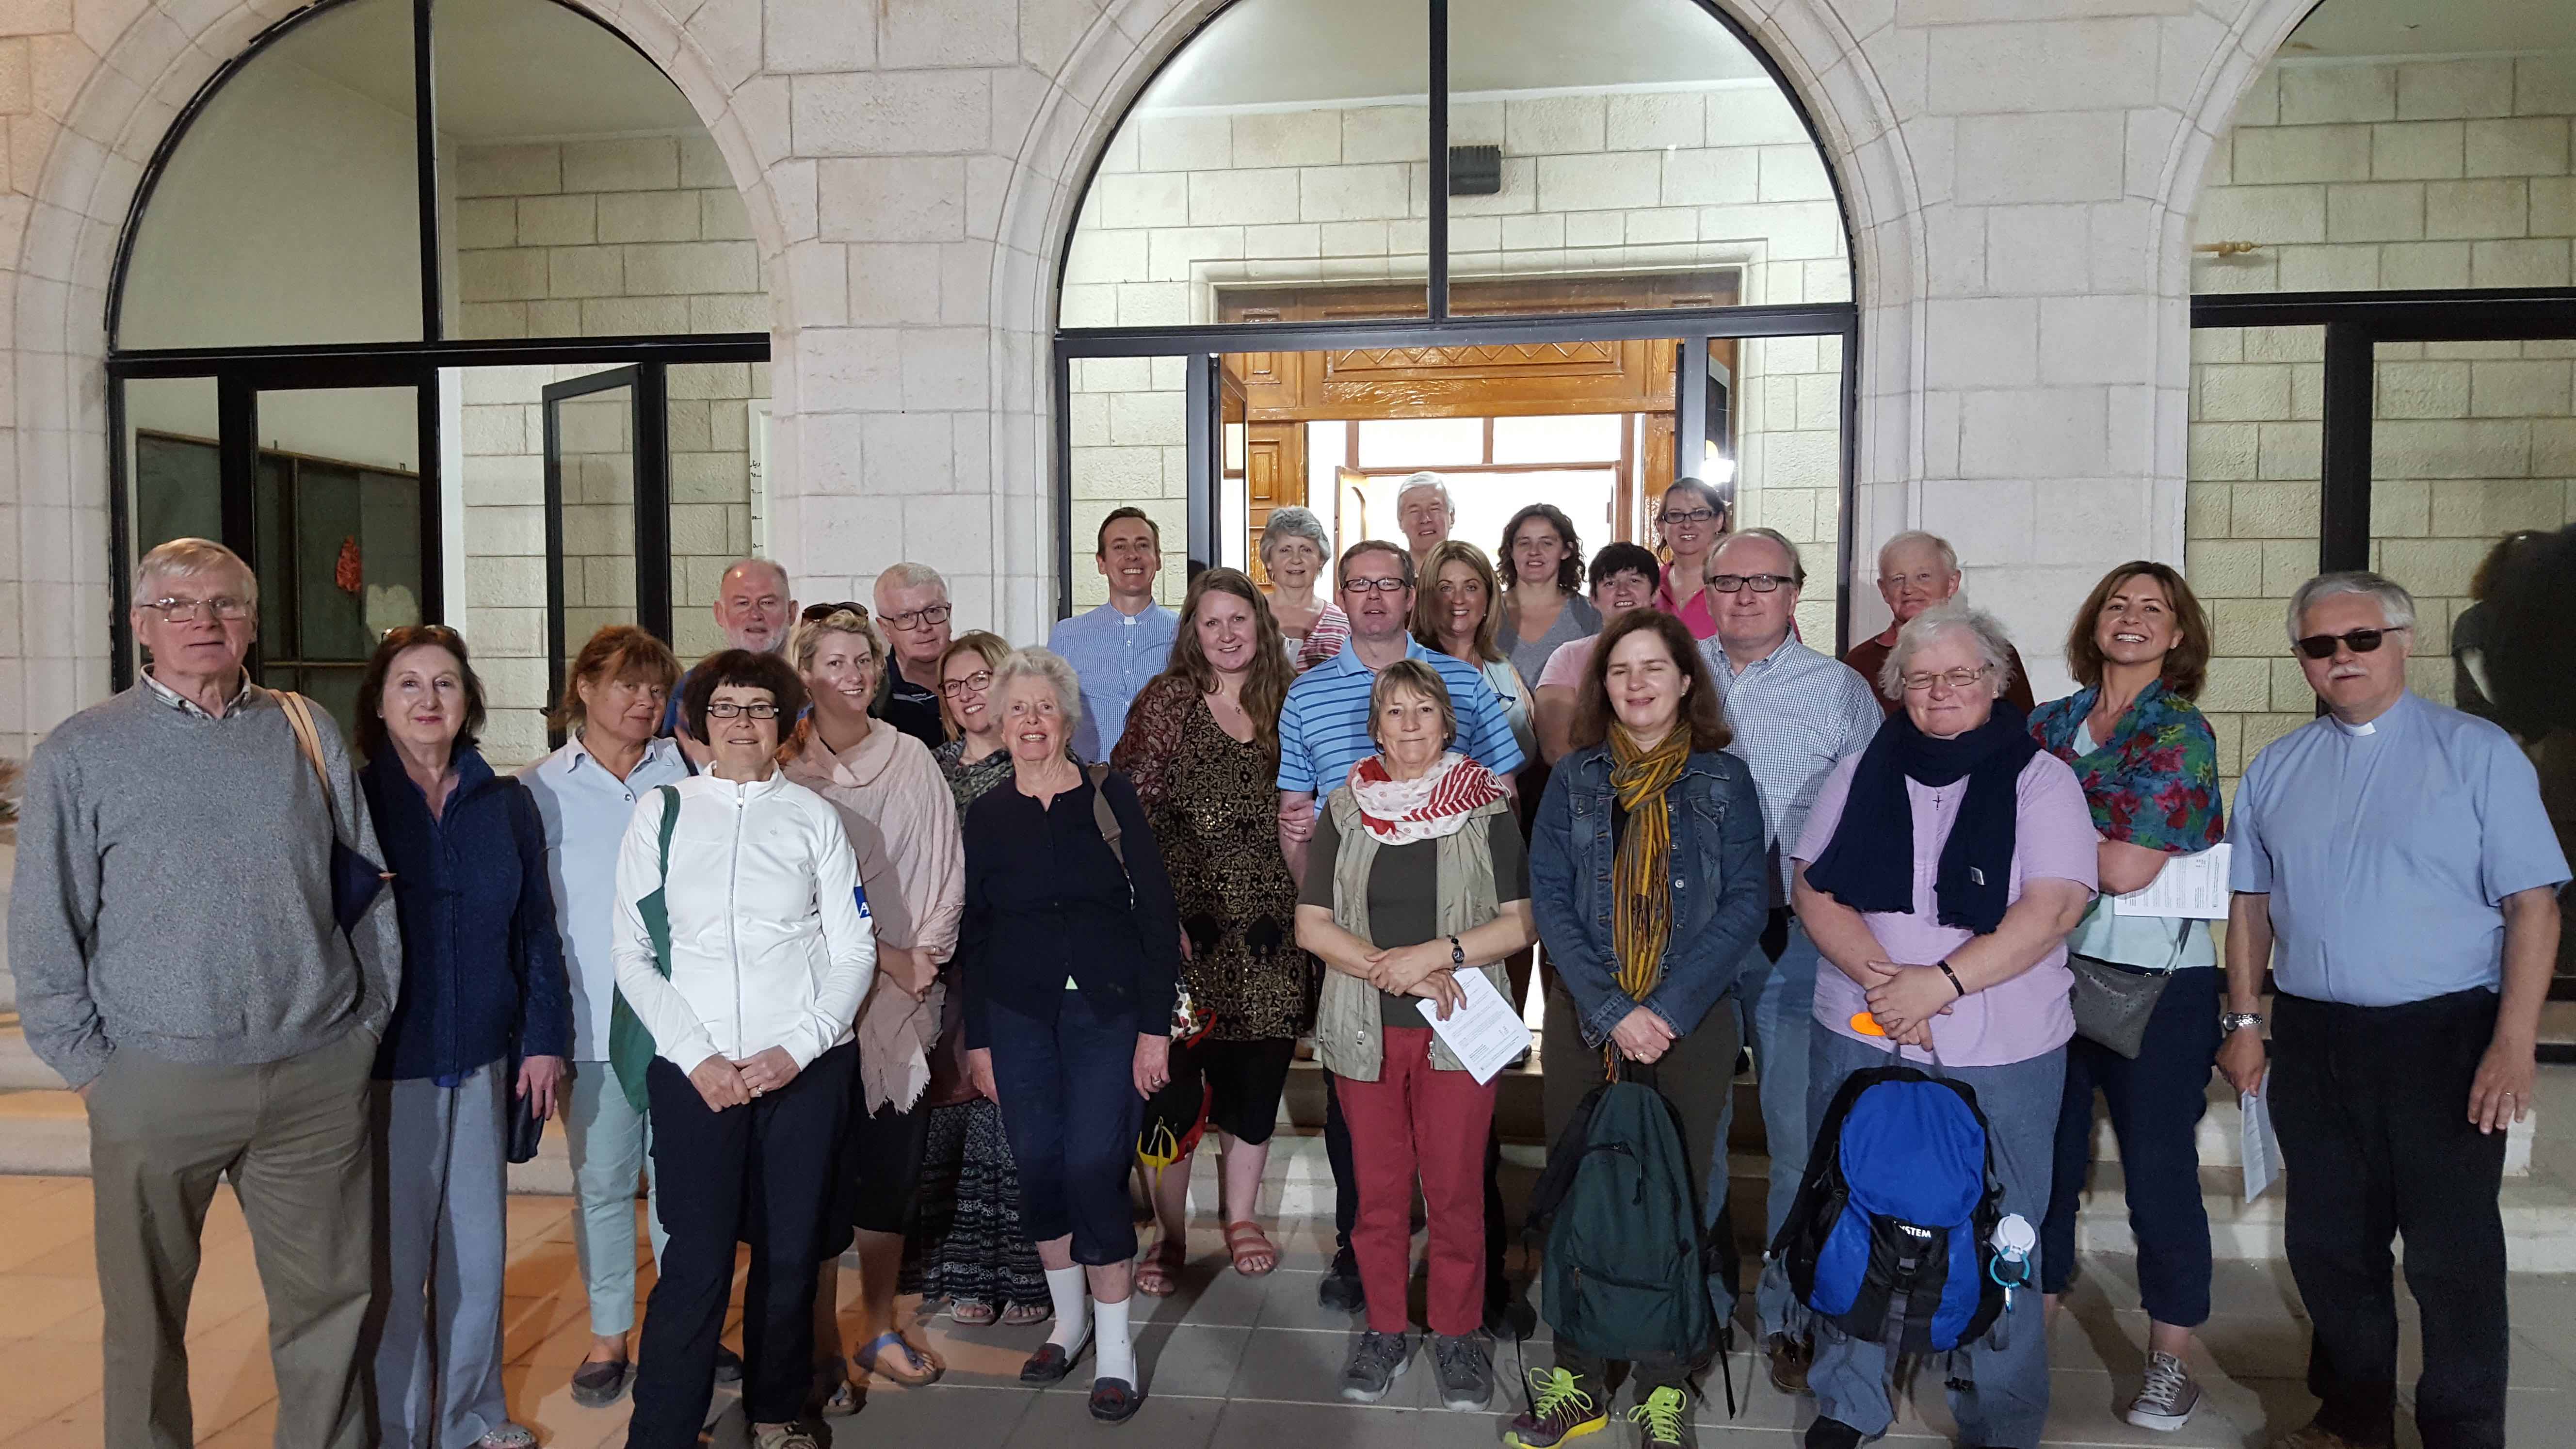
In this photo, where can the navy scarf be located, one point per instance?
(1869, 863)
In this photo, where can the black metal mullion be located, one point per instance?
(1438, 285)
(330, 364)
(120, 539)
(1788, 320)
(432, 488)
(1846, 514)
(2343, 502)
(1062, 383)
(652, 446)
(1204, 437)
(237, 461)
(424, 89)
(1690, 406)
(555, 662)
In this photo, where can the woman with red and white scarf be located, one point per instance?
(1416, 875)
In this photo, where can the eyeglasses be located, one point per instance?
(816, 613)
(1956, 678)
(957, 688)
(730, 710)
(1375, 586)
(1689, 515)
(930, 618)
(1758, 583)
(223, 607)
(2363, 641)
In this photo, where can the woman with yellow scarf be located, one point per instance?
(1648, 882)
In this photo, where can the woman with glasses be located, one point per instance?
(1295, 552)
(966, 1245)
(1939, 874)
(742, 958)
(1692, 520)
(585, 795)
(1541, 570)
(480, 1030)
(896, 810)
(2148, 763)
(1202, 746)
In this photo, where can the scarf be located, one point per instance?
(1641, 918)
(2154, 782)
(1400, 812)
(1869, 863)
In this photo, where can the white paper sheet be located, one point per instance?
(1484, 1032)
(2260, 1147)
(2190, 886)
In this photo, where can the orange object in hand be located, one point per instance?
(1866, 1024)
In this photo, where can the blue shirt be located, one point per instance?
(1115, 654)
(1794, 714)
(2386, 849)
(584, 810)
(1323, 726)
(481, 960)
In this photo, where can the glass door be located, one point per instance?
(607, 509)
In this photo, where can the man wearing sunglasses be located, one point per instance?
(2393, 865)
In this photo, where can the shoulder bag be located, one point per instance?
(355, 880)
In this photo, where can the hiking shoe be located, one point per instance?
(1560, 1410)
(1791, 1355)
(1377, 1361)
(1833, 1434)
(2168, 1397)
(1466, 1374)
(1340, 1289)
(1664, 1420)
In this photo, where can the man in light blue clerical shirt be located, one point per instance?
(1117, 647)
(2395, 868)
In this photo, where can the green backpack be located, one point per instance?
(630, 1046)
(1627, 1263)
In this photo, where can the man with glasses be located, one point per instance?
(181, 962)
(2393, 865)
(913, 608)
(1795, 713)
(755, 610)
(1915, 571)
(1323, 732)
(1116, 648)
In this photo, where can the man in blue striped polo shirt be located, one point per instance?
(1323, 732)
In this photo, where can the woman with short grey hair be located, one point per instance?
(1981, 632)
(1294, 552)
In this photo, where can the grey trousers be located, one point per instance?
(2004, 1403)
(292, 1138)
(442, 1245)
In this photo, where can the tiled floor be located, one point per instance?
(1246, 1363)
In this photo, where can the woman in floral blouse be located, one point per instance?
(2149, 766)
(1202, 746)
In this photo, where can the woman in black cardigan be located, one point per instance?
(1069, 961)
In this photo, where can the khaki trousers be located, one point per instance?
(292, 1137)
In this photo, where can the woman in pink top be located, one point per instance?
(1693, 519)
(902, 824)
(1940, 873)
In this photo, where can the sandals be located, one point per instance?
(1158, 1273)
(972, 1313)
(598, 1385)
(1245, 1242)
(926, 1367)
(1021, 1315)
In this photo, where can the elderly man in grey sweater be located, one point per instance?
(180, 963)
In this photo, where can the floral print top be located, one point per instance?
(2154, 783)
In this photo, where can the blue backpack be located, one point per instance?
(1891, 1238)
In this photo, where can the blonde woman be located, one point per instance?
(895, 808)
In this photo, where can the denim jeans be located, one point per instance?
(1778, 1003)
(610, 1142)
(2000, 1395)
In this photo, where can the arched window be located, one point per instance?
(358, 330)
(1428, 238)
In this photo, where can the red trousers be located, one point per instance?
(1416, 1121)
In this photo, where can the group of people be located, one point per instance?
(868, 942)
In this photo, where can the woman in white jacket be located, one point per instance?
(743, 950)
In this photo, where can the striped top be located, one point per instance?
(1323, 726)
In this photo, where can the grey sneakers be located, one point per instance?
(1466, 1372)
(2167, 1398)
(1377, 1361)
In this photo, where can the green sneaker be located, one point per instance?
(1560, 1411)
(1665, 1420)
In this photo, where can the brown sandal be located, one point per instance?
(1158, 1273)
(1245, 1241)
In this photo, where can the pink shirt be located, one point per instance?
(1565, 667)
(1695, 615)
(2019, 1019)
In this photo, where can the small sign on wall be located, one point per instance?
(756, 433)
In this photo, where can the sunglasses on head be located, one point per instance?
(2363, 641)
(814, 612)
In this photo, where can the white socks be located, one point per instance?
(1116, 1353)
(1072, 1309)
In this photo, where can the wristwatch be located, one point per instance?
(1457, 953)
(2231, 1022)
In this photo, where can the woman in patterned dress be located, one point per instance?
(1202, 746)
(965, 1244)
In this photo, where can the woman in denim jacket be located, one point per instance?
(1647, 879)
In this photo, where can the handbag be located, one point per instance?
(355, 880)
(2113, 1003)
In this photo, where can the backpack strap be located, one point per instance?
(308, 740)
(630, 1044)
(1102, 816)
